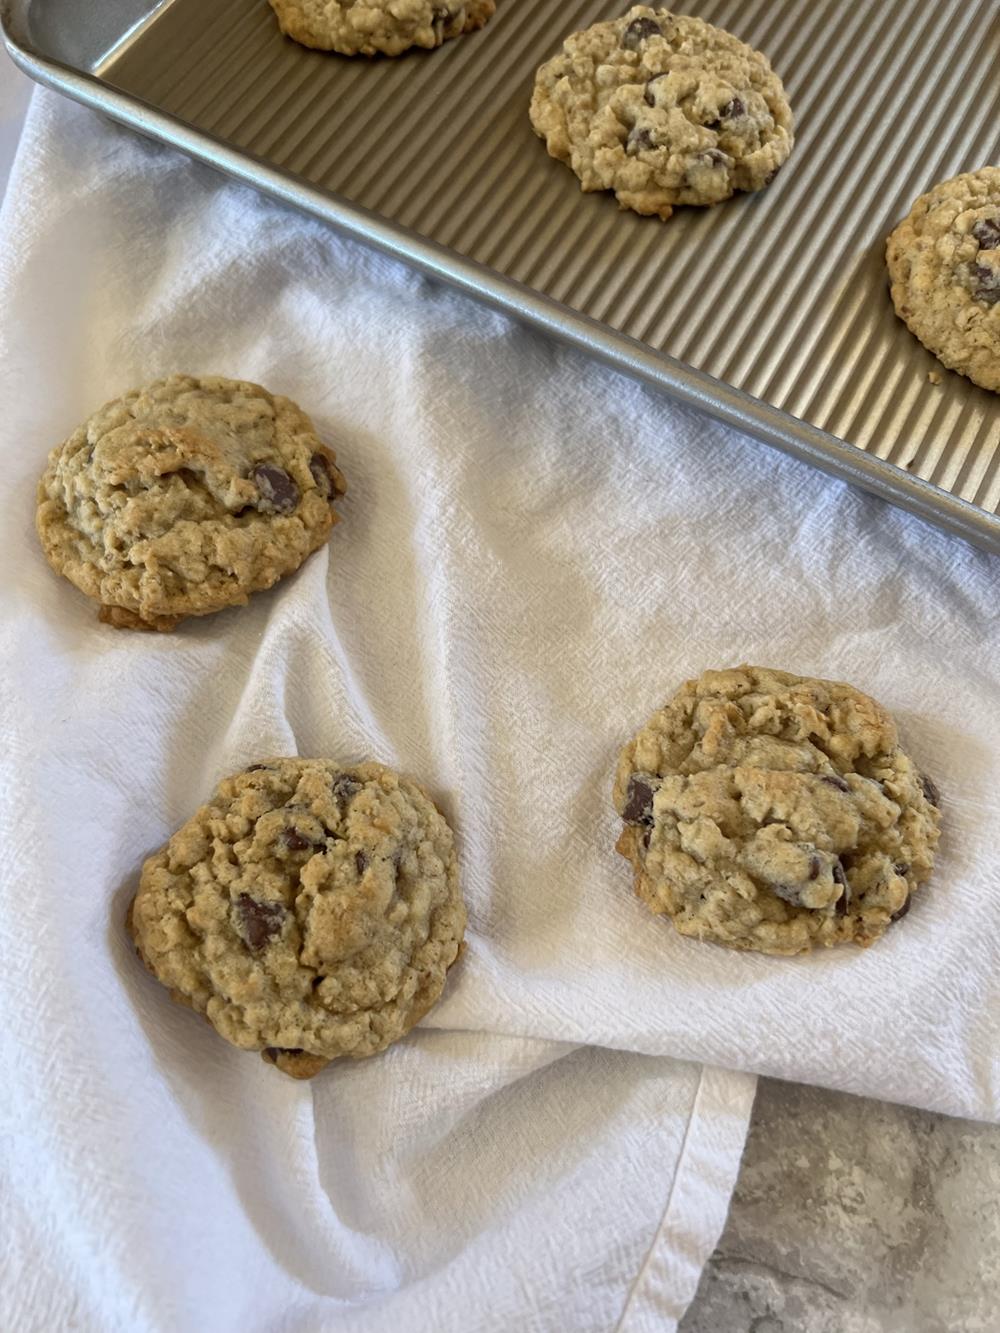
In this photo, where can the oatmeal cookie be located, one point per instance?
(379, 27)
(774, 812)
(309, 911)
(186, 497)
(663, 109)
(944, 271)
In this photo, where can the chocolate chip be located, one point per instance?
(930, 790)
(901, 867)
(839, 783)
(320, 470)
(639, 141)
(713, 158)
(294, 840)
(985, 284)
(647, 834)
(844, 901)
(788, 893)
(361, 861)
(649, 96)
(900, 912)
(272, 1052)
(637, 32)
(639, 801)
(255, 768)
(276, 487)
(815, 866)
(731, 111)
(987, 233)
(344, 787)
(258, 921)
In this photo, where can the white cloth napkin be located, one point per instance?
(476, 1177)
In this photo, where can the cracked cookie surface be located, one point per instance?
(774, 812)
(309, 911)
(663, 109)
(379, 27)
(185, 497)
(944, 270)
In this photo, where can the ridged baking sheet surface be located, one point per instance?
(781, 294)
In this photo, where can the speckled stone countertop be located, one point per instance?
(851, 1216)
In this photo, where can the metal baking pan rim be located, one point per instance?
(623, 353)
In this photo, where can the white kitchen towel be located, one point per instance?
(151, 1177)
(535, 552)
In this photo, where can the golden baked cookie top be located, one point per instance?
(185, 497)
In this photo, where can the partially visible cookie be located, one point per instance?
(663, 109)
(774, 812)
(944, 268)
(379, 27)
(309, 911)
(185, 497)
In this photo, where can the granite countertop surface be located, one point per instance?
(853, 1216)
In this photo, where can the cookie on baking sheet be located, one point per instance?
(774, 812)
(379, 27)
(185, 497)
(944, 269)
(309, 911)
(663, 109)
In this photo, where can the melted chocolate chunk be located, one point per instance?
(844, 901)
(639, 141)
(987, 233)
(837, 782)
(900, 912)
(815, 866)
(731, 111)
(277, 489)
(272, 1052)
(295, 840)
(984, 283)
(344, 787)
(321, 475)
(258, 921)
(902, 867)
(638, 31)
(788, 893)
(649, 96)
(361, 861)
(255, 768)
(639, 800)
(930, 790)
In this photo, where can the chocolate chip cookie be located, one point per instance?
(774, 812)
(185, 497)
(944, 267)
(662, 109)
(379, 27)
(309, 911)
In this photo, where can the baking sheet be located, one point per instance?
(771, 311)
